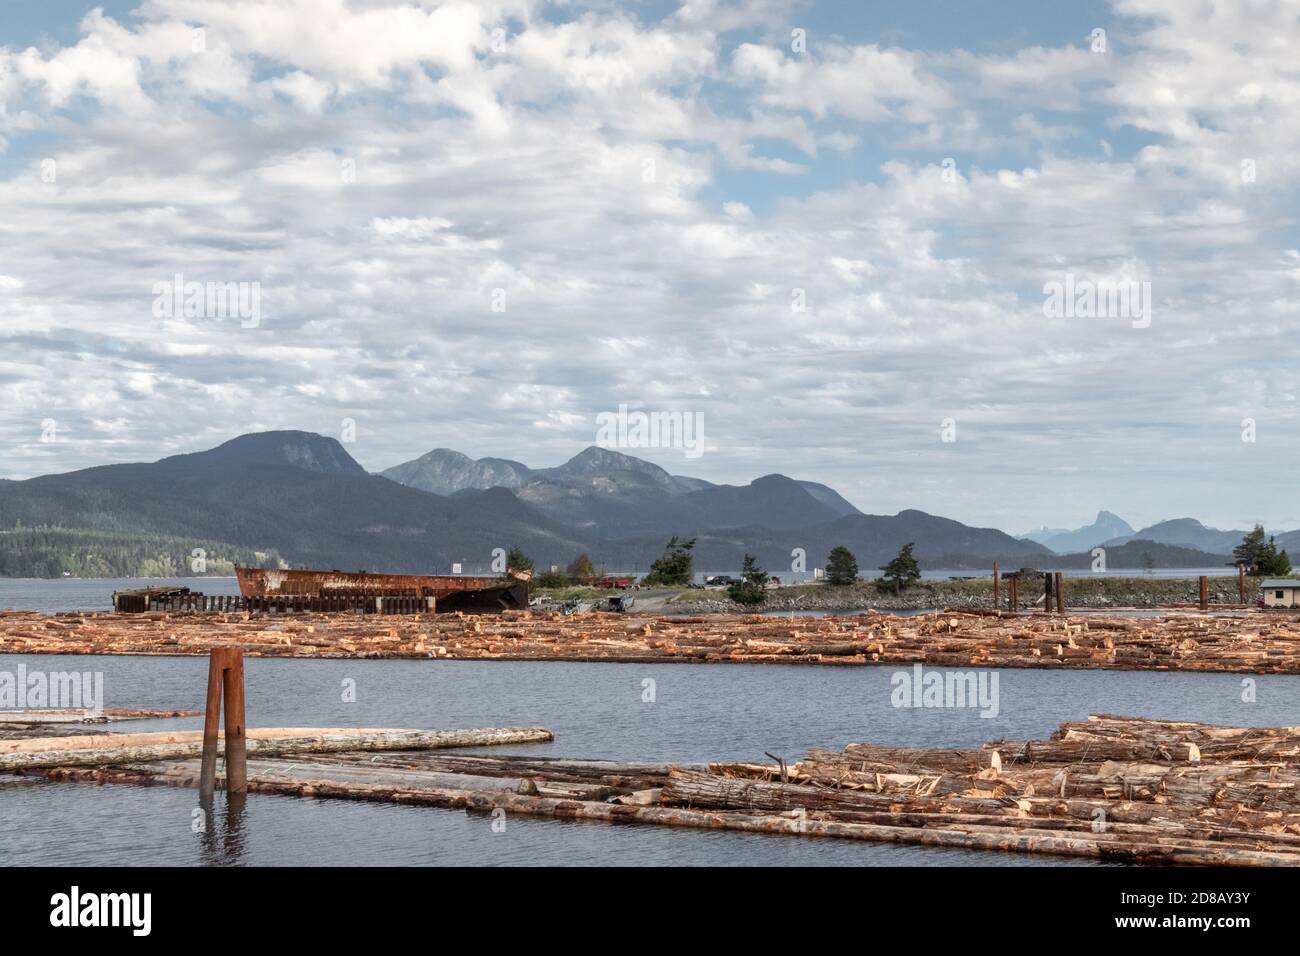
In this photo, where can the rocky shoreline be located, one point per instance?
(1099, 593)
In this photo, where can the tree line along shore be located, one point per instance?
(900, 585)
(1100, 592)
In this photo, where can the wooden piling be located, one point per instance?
(236, 752)
(1205, 593)
(225, 678)
(211, 718)
(1241, 582)
(995, 584)
(1059, 578)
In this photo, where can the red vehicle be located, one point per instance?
(609, 581)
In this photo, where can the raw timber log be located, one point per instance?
(1182, 802)
(1181, 806)
(607, 773)
(708, 790)
(106, 749)
(81, 715)
(799, 822)
(1255, 642)
(1152, 737)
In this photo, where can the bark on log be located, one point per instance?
(104, 749)
(801, 823)
(1256, 642)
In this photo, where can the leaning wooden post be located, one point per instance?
(996, 596)
(211, 718)
(225, 678)
(1205, 593)
(1060, 592)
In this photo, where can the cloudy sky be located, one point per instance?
(824, 227)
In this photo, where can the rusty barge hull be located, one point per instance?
(451, 592)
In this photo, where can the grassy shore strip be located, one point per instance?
(1080, 592)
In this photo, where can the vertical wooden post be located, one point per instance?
(1047, 592)
(1013, 593)
(225, 678)
(1241, 582)
(996, 596)
(1060, 592)
(236, 746)
(211, 718)
(1205, 593)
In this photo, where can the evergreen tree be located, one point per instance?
(516, 560)
(841, 567)
(676, 566)
(1261, 556)
(581, 570)
(903, 571)
(752, 588)
(1272, 561)
(1253, 551)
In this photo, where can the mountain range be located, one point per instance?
(301, 498)
(1111, 531)
(1107, 527)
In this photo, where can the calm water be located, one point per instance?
(91, 594)
(699, 713)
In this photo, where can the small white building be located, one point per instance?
(1281, 592)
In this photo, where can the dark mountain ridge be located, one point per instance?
(301, 498)
(304, 497)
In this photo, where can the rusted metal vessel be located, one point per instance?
(450, 592)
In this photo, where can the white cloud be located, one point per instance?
(649, 195)
(860, 83)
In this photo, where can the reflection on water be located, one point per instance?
(67, 824)
(220, 820)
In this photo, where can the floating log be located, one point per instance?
(81, 715)
(1147, 847)
(107, 749)
(1253, 642)
(1188, 797)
